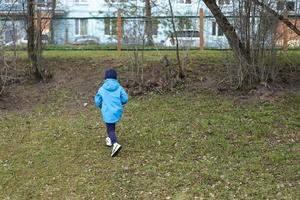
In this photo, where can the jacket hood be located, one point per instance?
(111, 85)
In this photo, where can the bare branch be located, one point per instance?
(278, 16)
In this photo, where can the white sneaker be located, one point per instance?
(115, 150)
(108, 142)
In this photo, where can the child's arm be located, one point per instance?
(98, 100)
(124, 96)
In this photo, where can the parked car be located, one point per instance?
(86, 39)
(24, 41)
(185, 38)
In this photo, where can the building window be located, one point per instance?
(224, 2)
(220, 32)
(214, 26)
(11, 1)
(43, 3)
(81, 26)
(107, 26)
(110, 26)
(115, 1)
(184, 24)
(114, 27)
(80, 1)
(155, 23)
(9, 36)
(216, 30)
(185, 1)
(290, 6)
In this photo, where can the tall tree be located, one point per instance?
(229, 31)
(252, 43)
(34, 42)
(180, 70)
(32, 55)
(148, 25)
(53, 8)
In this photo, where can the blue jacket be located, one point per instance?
(110, 98)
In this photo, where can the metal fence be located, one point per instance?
(122, 32)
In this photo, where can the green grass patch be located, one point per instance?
(211, 57)
(206, 57)
(178, 146)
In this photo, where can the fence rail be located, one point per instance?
(5, 17)
(127, 32)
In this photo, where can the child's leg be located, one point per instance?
(111, 132)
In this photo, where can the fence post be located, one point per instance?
(119, 30)
(285, 32)
(66, 36)
(201, 32)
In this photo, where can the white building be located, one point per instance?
(89, 17)
(97, 19)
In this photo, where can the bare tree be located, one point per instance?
(252, 39)
(51, 28)
(180, 70)
(148, 23)
(8, 67)
(34, 46)
(229, 31)
(31, 32)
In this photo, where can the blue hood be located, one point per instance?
(111, 85)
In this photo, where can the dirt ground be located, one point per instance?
(84, 76)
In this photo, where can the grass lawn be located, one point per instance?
(207, 56)
(179, 146)
(290, 58)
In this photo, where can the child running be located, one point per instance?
(110, 98)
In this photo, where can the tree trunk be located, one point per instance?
(180, 73)
(53, 7)
(248, 6)
(38, 35)
(33, 46)
(32, 54)
(148, 25)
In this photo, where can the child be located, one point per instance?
(110, 98)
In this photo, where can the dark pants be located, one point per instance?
(111, 132)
